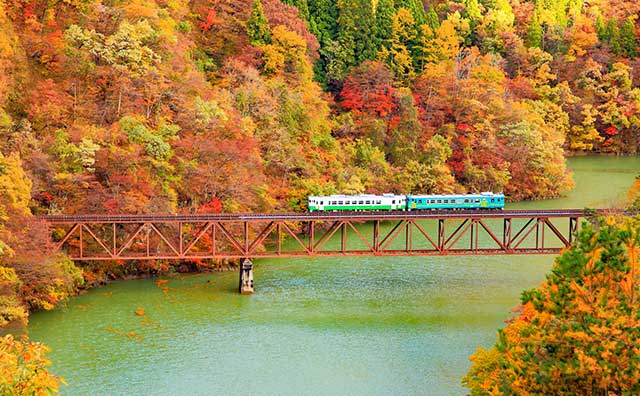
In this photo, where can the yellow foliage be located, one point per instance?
(584, 37)
(287, 55)
(23, 368)
(576, 334)
(139, 9)
(15, 186)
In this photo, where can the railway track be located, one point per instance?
(328, 216)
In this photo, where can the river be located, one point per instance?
(343, 326)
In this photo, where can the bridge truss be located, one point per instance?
(225, 236)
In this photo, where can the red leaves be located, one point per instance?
(44, 198)
(213, 206)
(611, 131)
(369, 88)
(373, 100)
(351, 98)
(50, 104)
(209, 21)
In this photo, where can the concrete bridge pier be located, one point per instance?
(246, 277)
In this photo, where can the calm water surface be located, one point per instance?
(361, 326)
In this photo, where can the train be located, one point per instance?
(389, 202)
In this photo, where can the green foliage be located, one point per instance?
(432, 20)
(156, 143)
(415, 7)
(258, 28)
(402, 145)
(628, 40)
(601, 30)
(383, 23)
(128, 48)
(535, 33)
(613, 33)
(183, 26)
(397, 52)
(302, 6)
(208, 113)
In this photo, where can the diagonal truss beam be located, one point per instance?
(243, 238)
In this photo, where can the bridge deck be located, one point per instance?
(322, 216)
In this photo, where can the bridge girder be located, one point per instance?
(199, 237)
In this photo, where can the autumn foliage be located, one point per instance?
(23, 368)
(578, 332)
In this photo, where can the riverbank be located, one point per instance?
(104, 275)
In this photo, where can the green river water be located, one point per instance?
(343, 326)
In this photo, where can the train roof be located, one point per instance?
(388, 195)
(364, 196)
(482, 194)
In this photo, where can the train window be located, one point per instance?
(340, 203)
(466, 201)
(393, 201)
(378, 202)
(368, 202)
(477, 201)
(361, 202)
(492, 200)
(439, 201)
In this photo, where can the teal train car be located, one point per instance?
(485, 200)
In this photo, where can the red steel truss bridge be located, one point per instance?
(249, 236)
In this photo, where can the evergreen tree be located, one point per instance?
(301, 5)
(356, 25)
(323, 23)
(628, 39)
(613, 32)
(535, 32)
(384, 22)
(397, 52)
(324, 16)
(258, 28)
(601, 30)
(416, 8)
(432, 19)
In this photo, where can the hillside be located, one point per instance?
(164, 106)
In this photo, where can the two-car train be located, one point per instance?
(485, 200)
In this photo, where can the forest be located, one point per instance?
(176, 106)
(205, 106)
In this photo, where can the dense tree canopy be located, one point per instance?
(23, 366)
(578, 333)
(202, 97)
(146, 106)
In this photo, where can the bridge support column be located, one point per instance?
(246, 277)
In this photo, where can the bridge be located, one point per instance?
(250, 236)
